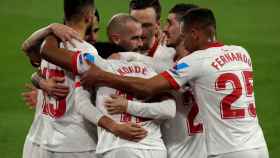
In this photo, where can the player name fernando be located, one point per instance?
(224, 59)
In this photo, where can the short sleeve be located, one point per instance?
(81, 60)
(186, 69)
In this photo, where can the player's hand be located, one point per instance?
(65, 33)
(92, 77)
(130, 131)
(117, 104)
(55, 87)
(30, 97)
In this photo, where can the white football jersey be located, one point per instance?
(222, 82)
(183, 134)
(161, 58)
(35, 132)
(65, 129)
(164, 54)
(108, 141)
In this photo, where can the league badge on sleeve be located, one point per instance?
(179, 68)
(89, 58)
(84, 59)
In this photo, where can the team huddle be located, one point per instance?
(175, 92)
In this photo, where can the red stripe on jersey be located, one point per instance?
(78, 84)
(151, 52)
(74, 62)
(215, 44)
(171, 80)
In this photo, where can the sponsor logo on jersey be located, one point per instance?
(179, 68)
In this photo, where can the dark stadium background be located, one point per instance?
(253, 24)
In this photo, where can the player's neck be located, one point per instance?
(79, 27)
(180, 51)
(153, 42)
(208, 43)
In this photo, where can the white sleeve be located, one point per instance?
(159, 110)
(84, 105)
(157, 65)
(186, 69)
(81, 59)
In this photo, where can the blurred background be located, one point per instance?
(252, 24)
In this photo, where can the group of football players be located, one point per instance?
(175, 92)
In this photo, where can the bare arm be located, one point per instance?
(132, 85)
(130, 131)
(31, 46)
(84, 106)
(35, 39)
(64, 33)
(58, 56)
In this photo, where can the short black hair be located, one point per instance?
(74, 9)
(181, 9)
(97, 15)
(200, 17)
(143, 4)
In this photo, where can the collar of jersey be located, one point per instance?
(215, 44)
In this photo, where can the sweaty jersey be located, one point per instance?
(222, 82)
(108, 141)
(184, 134)
(65, 129)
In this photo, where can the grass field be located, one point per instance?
(252, 24)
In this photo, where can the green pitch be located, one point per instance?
(253, 24)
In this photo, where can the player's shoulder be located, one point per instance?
(116, 62)
(234, 47)
(86, 45)
(164, 48)
(79, 46)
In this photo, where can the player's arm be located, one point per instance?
(132, 85)
(63, 32)
(51, 52)
(186, 69)
(160, 110)
(85, 107)
(130, 131)
(53, 86)
(76, 62)
(30, 96)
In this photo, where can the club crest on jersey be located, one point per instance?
(179, 68)
(86, 57)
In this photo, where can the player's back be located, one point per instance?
(109, 141)
(66, 130)
(223, 89)
(185, 133)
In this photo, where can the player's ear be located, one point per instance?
(88, 16)
(194, 34)
(115, 38)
